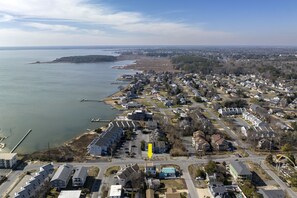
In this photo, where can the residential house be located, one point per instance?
(106, 140)
(160, 147)
(8, 160)
(265, 144)
(253, 119)
(219, 143)
(217, 189)
(140, 115)
(272, 193)
(167, 173)
(115, 191)
(150, 169)
(199, 143)
(127, 173)
(239, 171)
(80, 176)
(131, 105)
(258, 110)
(62, 176)
(36, 182)
(153, 183)
(231, 111)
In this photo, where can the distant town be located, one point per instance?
(221, 121)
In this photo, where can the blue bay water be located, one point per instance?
(46, 97)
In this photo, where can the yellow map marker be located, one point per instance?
(150, 150)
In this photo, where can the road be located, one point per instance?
(281, 184)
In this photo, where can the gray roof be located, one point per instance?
(80, 172)
(106, 136)
(48, 168)
(272, 193)
(240, 168)
(63, 172)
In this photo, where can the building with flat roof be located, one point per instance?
(239, 170)
(8, 160)
(115, 191)
(70, 193)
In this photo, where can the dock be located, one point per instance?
(99, 120)
(88, 100)
(18, 144)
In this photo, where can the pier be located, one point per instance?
(18, 144)
(99, 120)
(87, 100)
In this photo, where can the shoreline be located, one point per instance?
(80, 138)
(142, 64)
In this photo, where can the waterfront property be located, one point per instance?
(62, 176)
(239, 171)
(8, 160)
(140, 115)
(104, 142)
(35, 183)
(80, 176)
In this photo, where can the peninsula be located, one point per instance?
(82, 59)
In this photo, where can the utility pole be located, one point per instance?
(49, 151)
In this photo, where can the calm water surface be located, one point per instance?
(46, 97)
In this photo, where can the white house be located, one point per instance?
(8, 160)
(35, 183)
(115, 191)
(80, 176)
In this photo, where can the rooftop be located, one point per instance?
(7, 156)
(168, 170)
(115, 191)
(70, 193)
(240, 168)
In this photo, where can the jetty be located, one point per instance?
(99, 120)
(18, 144)
(88, 100)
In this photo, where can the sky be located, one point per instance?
(143, 22)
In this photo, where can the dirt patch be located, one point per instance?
(73, 150)
(145, 63)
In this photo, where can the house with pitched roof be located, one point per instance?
(240, 171)
(127, 173)
(36, 182)
(62, 176)
(102, 144)
(80, 176)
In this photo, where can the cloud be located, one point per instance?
(58, 28)
(6, 18)
(85, 20)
